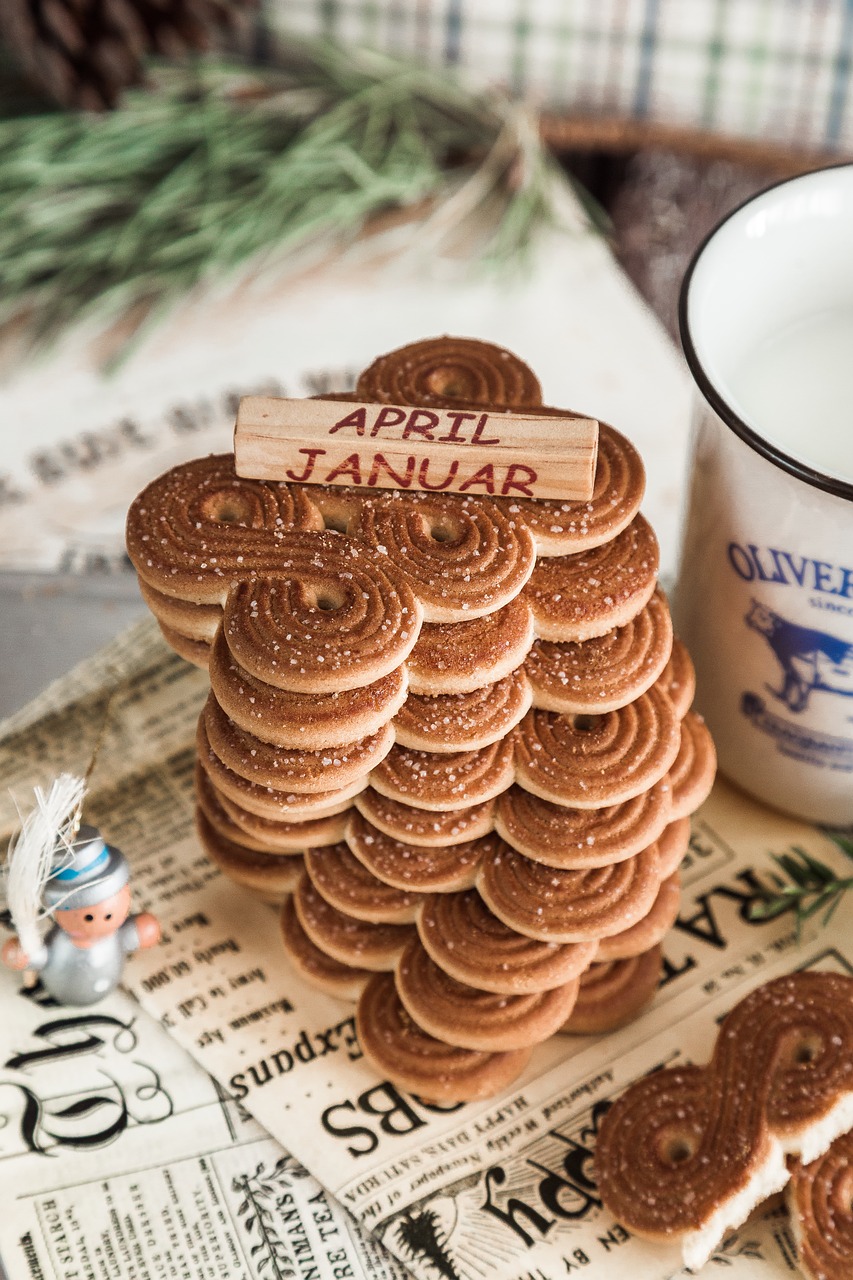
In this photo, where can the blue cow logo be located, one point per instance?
(810, 660)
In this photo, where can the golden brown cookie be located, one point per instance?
(476, 1019)
(267, 835)
(568, 906)
(443, 782)
(199, 527)
(310, 721)
(678, 679)
(464, 721)
(198, 622)
(463, 557)
(401, 1051)
(469, 942)
(195, 651)
(341, 936)
(564, 528)
(614, 992)
(443, 868)
(338, 505)
(348, 885)
(686, 1152)
(459, 657)
(336, 616)
(589, 762)
(272, 875)
(649, 931)
(425, 826)
(694, 768)
(575, 838)
(283, 768)
(587, 594)
(448, 372)
(604, 673)
(820, 1203)
(672, 845)
(268, 802)
(336, 979)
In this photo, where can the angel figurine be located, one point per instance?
(57, 867)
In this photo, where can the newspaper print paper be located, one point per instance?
(84, 444)
(121, 1157)
(503, 1188)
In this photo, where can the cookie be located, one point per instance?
(442, 782)
(673, 844)
(267, 835)
(268, 802)
(199, 527)
(614, 992)
(444, 868)
(464, 721)
(568, 838)
(347, 884)
(271, 875)
(461, 657)
(587, 594)
(564, 528)
(678, 679)
(692, 773)
(686, 1153)
(820, 1203)
(195, 651)
(341, 980)
(428, 827)
(648, 932)
(470, 943)
(336, 616)
(568, 906)
(462, 557)
(309, 721)
(283, 768)
(606, 672)
(338, 506)
(401, 1051)
(463, 1015)
(448, 372)
(197, 622)
(352, 942)
(589, 762)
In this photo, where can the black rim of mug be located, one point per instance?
(830, 484)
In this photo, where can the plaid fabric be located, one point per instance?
(773, 69)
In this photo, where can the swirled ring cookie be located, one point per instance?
(613, 992)
(469, 942)
(399, 1050)
(475, 1019)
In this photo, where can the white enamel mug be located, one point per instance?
(764, 599)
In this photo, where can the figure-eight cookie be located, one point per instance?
(686, 1153)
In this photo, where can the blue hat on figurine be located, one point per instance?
(85, 872)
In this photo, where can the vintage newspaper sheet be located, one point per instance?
(121, 1159)
(84, 444)
(503, 1188)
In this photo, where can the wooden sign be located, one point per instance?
(387, 446)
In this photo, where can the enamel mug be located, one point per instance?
(764, 599)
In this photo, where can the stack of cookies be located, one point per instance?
(452, 732)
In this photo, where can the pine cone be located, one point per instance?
(85, 52)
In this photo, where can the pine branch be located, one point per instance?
(806, 887)
(218, 166)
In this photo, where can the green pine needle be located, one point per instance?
(216, 166)
(806, 887)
